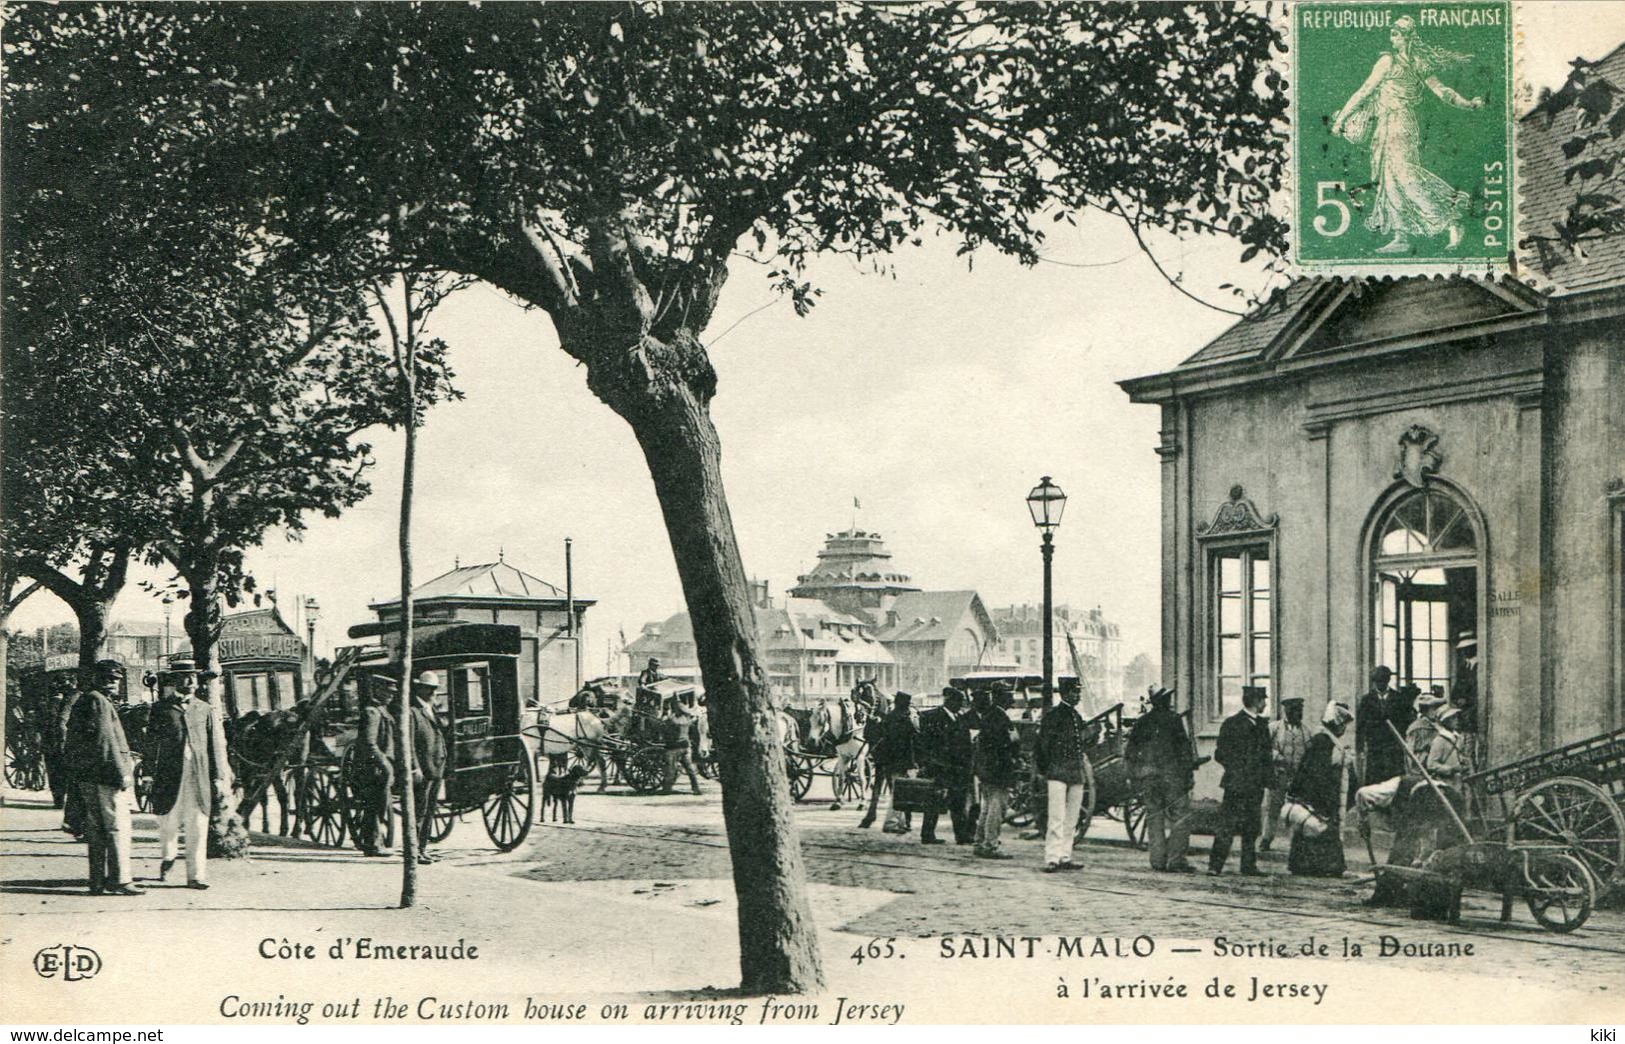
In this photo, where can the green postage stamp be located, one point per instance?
(1402, 138)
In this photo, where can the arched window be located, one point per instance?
(1426, 577)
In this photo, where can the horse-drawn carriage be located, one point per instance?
(488, 764)
(827, 741)
(34, 723)
(631, 746)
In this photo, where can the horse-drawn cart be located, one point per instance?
(1570, 797)
(1108, 790)
(1561, 836)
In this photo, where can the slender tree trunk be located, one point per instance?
(409, 832)
(778, 944)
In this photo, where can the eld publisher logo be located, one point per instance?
(70, 963)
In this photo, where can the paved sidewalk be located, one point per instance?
(634, 903)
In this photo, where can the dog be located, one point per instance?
(559, 786)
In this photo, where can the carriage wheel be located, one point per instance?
(143, 785)
(322, 806)
(24, 767)
(1578, 815)
(1559, 891)
(799, 768)
(508, 810)
(1086, 807)
(645, 770)
(1134, 822)
(707, 766)
(443, 819)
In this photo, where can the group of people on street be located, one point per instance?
(183, 746)
(1278, 775)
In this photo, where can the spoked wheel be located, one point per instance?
(707, 765)
(352, 804)
(443, 819)
(25, 768)
(799, 768)
(508, 810)
(1134, 822)
(143, 785)
(1086, 807)
(1559, 891)
(646, 770)
(322, 806)
(1576, 814)
(1018, 802)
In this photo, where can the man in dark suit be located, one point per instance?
(1377, 752)
(373, 764)
(892, 739)
(947, 756)
(428, 760)
(1245, 751)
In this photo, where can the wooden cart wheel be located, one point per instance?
(1578, 815)
(645, 769)
(1559, 891)
(443, 819)
(1134, 822)
(1086, 809)
(25, 766)
(1018, 802)
(800, 771)
(508, 810)
(322, 805)
(350, 802)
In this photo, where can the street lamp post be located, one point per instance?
(1046, 502)
(169, 607)
(312, 614)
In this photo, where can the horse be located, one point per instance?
(839, 731)
(253, 741)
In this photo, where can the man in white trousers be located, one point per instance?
(189, 771)
(1060, 758)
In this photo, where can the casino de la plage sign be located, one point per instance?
(261, 647)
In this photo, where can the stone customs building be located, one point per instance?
(1368, 471)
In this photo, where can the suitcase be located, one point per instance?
(917, 795)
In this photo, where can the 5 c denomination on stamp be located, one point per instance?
(1402, 138)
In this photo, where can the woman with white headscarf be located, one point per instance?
(1318, 784)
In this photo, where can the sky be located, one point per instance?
(936, 395)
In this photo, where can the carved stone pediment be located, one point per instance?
(1419, 455)
(1237, 515)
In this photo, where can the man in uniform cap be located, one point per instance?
(651, 674)
(1243, 749)
(1161, 763)
(892, 740)
(428, 760)
(97, 762)
(946, 756)
(1288, 741)
(373, 765)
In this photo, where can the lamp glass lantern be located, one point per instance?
(1046, 503)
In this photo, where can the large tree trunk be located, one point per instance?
(92, 614)
(778, 945)
(202, 625)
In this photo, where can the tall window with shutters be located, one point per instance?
(1242, 641)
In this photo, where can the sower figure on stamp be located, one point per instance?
(188, 764)
(891, 738)
(96, 758)
(1161, 763)
(946, 756)
(1288, 741)
(995, 769)
(428, 760)
(1244, 751)
(1060, 757)
(373, 766)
